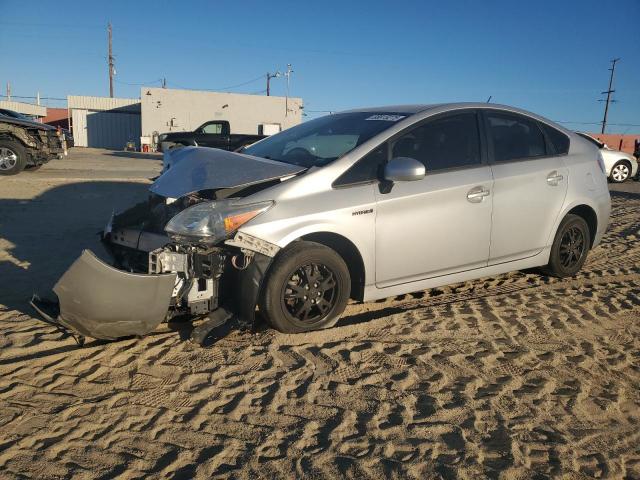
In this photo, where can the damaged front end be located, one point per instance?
(178, 254)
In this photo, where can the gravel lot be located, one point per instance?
(517, 376)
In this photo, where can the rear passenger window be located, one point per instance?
(558, 139)
(514, 137)
(449, 142)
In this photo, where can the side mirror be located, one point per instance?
(404, 169)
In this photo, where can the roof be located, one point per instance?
(421, 107)
(102, 103)
(55, 114)
(415, 108)
(24, 108)
(443, 107)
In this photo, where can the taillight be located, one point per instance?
(601, 163)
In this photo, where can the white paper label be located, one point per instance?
(386, 118)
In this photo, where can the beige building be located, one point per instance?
(104, 122)
(169, 110)
(25, 108)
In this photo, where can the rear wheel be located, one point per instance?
(570, 247)
(307, 288)
(620, 172)
(13, 157)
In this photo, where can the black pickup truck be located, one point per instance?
(215, 134)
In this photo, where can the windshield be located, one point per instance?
(321, 141)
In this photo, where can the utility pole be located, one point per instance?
(8, 91)
(286, 101)
(269, 77)
(609, 91)
(111, 66)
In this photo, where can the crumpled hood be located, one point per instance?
(201, 168)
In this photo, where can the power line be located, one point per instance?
(159, 80)
(230, 87)
(600, 123)
(42, 98)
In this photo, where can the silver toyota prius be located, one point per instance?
(361, 204)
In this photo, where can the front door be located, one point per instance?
(442, 223)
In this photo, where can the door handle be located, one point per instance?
(554, 178)
(476, 194)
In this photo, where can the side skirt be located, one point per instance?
(371, 292)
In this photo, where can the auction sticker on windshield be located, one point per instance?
(386, 118)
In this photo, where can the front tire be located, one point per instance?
(307, 288)
(13, 157)
(620, 172)
(570, 247)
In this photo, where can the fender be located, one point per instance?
(312, 226)
(602, 223)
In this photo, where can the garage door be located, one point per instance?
(112, 129)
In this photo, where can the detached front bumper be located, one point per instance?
(101, 301)
(97, 300)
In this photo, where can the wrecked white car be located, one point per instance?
(364, 204)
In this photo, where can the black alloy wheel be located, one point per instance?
(310, 293)
(307, 288)
(570, 247)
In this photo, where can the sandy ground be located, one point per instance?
(519, 376)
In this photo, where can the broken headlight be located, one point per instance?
(211, 222)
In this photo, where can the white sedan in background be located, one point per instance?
(619, 166)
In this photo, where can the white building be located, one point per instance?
(104, 122)
(168, 110)
(37, 111)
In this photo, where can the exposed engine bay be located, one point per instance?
(160, 270)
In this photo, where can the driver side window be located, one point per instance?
(440, 144)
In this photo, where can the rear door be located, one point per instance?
(442, 223)
(530, 185)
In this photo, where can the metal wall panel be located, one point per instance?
(112, 129)
(103, 103)
(79, 127)
(24, 108)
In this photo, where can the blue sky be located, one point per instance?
(548, 56)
